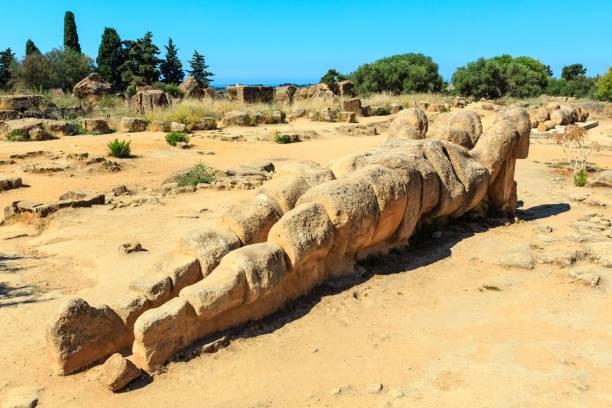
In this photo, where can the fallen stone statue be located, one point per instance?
(305, 225)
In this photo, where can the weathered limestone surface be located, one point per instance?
(308, 224)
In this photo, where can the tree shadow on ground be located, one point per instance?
(13, 295)
(422, 251)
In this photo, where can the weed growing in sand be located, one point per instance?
(120, 148)
(175, 137)
(75, 128)
(577, 152)
(18, 135)
(198, 174)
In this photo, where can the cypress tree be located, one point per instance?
(7, 58)
(71, 37)
(199, 70)
(31, 48)
(171, 67)
(141, 63)
(111, 56)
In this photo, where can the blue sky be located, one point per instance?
(274, 41)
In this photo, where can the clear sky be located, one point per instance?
(276, 41)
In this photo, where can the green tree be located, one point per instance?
(407, 73)
(67, 67)
(33, 74)
(171, 67)
(31, 48)
(141, 63)
(199, 70)
(111, 57)
(502, 76)
(7, 60)
(603, 87)
(574, 71)
(482, 79)
(71, 36)
(331, 77)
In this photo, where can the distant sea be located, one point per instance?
(225, 83)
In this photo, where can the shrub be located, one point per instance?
(283, 139)
(580, 178)
(120, 148)
(171, 89)
(407, 73)
(18, 135)
(75, 128)
(199, 173)
(175, 137)
(603, 87)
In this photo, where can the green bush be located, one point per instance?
(75, 128)
(283, 139)
(171, 89)
(120, 148)
(199, 173)
(175, 137)
(504, 75)
(603, 87)
(406, 73)
(18, 135)
(581, 178)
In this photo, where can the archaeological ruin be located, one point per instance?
(309, 223)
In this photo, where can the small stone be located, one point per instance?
(587, 277)
(130, 247)
(544, 229)
(375, 388)
(21, 397)
(120, 190)
(396, 393)
(118, 372)
(216, 345)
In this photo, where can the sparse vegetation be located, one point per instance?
(120, 148)
(75, 128)
(198, 174)
(284, 138)
(175, 137)
(577, 152)
(18, 135)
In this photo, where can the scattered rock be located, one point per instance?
(177, 127)
(375, 388)
(600, 252)
(586, 277)
(130, 247)
(117, 372)
(96, 125)
(91, 88)
(603, 179)
(120, 190)
(21, 397)
(10, 183)
(131, 125)
(149, 100)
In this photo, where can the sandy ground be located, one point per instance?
(438, 325)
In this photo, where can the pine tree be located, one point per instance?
(111, 57)
(141, 64)
(199, 70)
(171, 67)
(71, 37)
(31, 48)
(7, 58)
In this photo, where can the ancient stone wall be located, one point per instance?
(306, 225)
